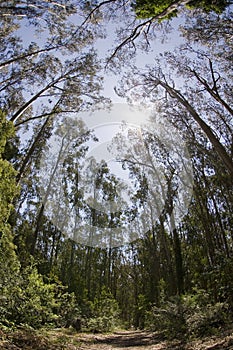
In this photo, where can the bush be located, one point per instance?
(188, 316)
(69, 313)
(167, 319)
(207, 320)
(8, 186)
(27, 299)
(105, 313)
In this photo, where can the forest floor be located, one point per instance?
(124, 340)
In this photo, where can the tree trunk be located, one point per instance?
(207, 130)
(31, 150)
(41, 212)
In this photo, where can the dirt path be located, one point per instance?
(131, 340)
(137, 340)
(63, 339)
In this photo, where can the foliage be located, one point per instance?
(167, 319)
(9, 276)
(190, 315)
(152, 8)
(105, 313)
(140, 310)
(24, 296)
(67, 310)
(8, 187)
(9, 264)
(34, 300)
(27, 299)
(217, 6)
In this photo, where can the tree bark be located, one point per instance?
(226, 159)
(27, 104)
(31, 151)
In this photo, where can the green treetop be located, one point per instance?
(8, 187)
(165, 9)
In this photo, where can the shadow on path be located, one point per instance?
(130, 339)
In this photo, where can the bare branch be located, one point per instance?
(215, 87)
(140, 28)
(90, 15)
(213, 91)
(135, 33)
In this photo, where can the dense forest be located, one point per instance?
(174, 272)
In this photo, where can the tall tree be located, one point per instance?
(154, 82)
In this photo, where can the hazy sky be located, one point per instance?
(106, 46)
(107, 124)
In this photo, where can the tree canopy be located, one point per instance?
(170, 8)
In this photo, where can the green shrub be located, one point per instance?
(105, 313)
(8, 186)
(27, 299)
(67, 309)
(188, 316)
(167, 319)
(207, 320)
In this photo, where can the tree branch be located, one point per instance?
(140, 28)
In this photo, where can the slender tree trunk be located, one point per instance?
(213, 91)
(27, 55)
(179, 262)
(207, 130)
(48, 190)
(27, 104)
(88, 266)
(31, 150)
(206, 224)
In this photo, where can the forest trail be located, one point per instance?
(141, 340)
(122, 340)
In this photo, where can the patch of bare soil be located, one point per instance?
(138, 340)
(126, 340)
